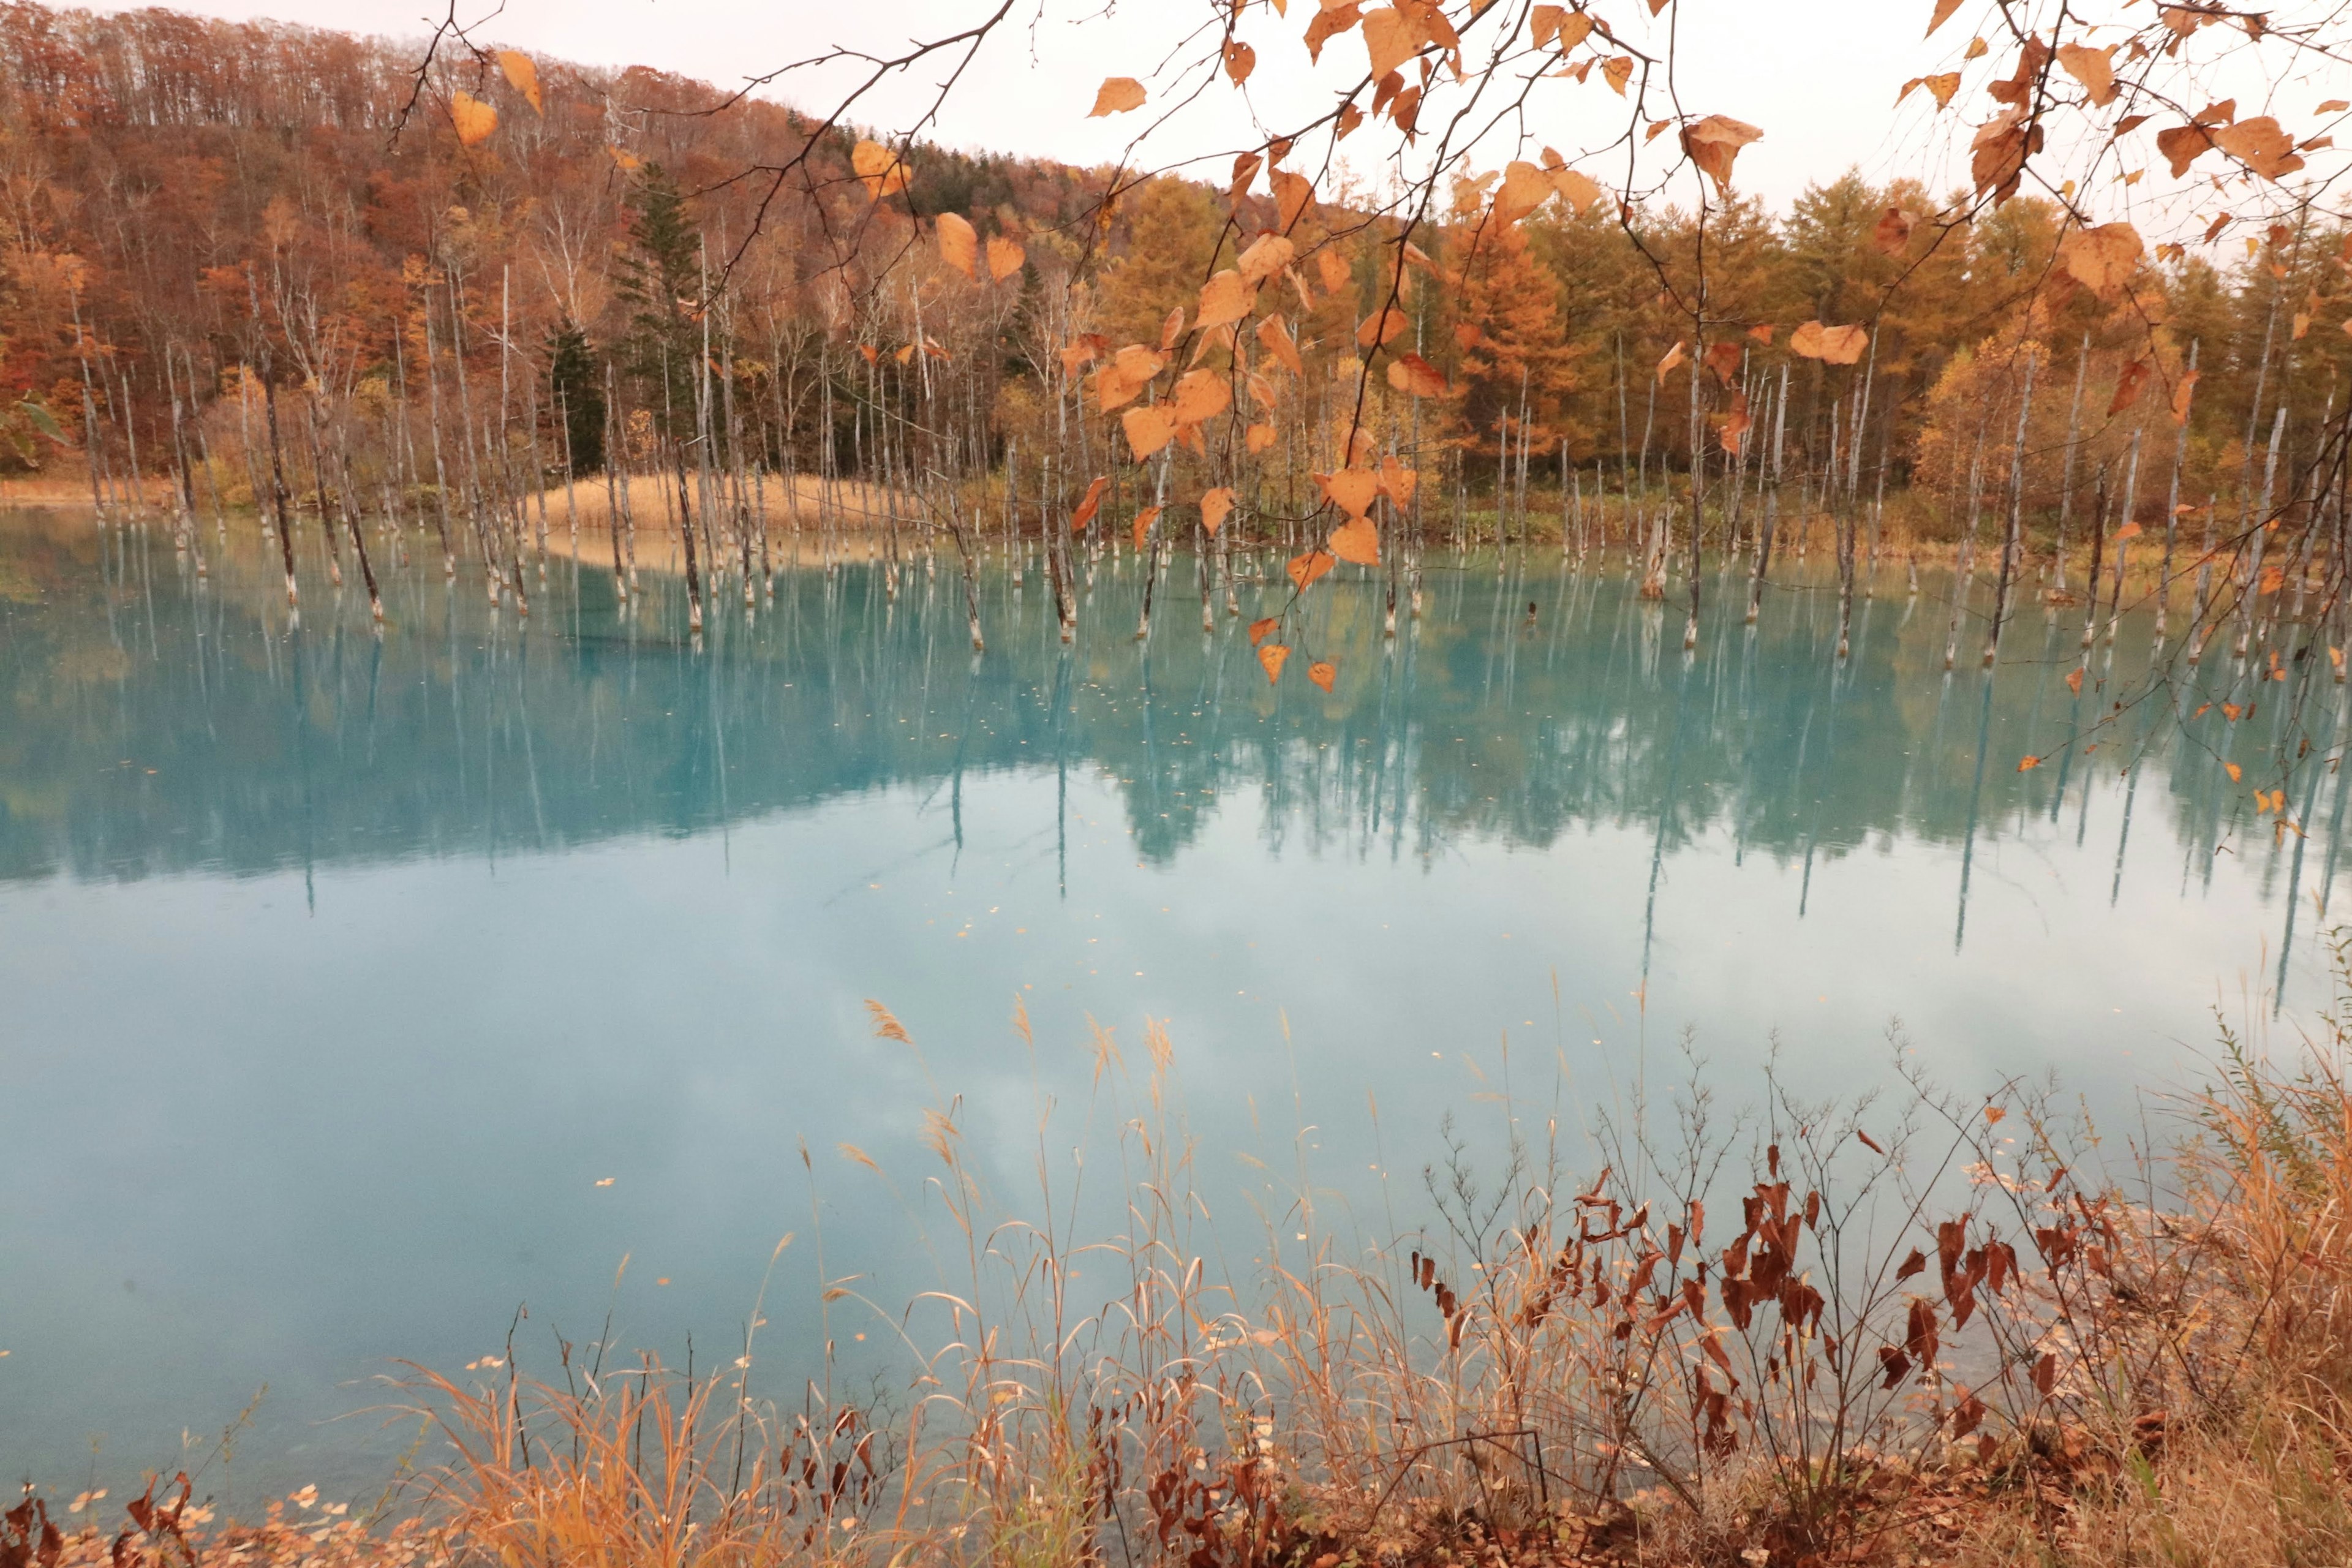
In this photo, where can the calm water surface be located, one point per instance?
(355, 990)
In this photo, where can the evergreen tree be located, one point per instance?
(661, 280)
(1519, 347)
(579, 393)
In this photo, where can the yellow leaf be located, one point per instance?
(1524, 188)
(1578, 191)
(1322, 672)
(473, 119)
(1215, 506)
(1117, 95)
(1005, 257)
(521, 76)
(958, 244)
(1272, 656)
(1226, 297)
(1358, 540)
(1148, 430)
(1411, 375)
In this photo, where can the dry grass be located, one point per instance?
(1914, 1331)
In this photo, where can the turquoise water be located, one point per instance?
(360, 989)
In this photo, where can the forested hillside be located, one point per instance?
(205, 218)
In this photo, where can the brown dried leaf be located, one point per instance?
(881, 170)
(2184, 391)
(1089, 506)
(1005, 257)
(1294, 197)
(2101, 259)
(1376, 332)
(1674, 356)
(2094, 68)
(1892, 233)
(1274, 337)
(2261, 146)
(1714, 143)
(2128, 383)
(1143, 521)
(1240, 60)
(1305, 569)
(1944, 9)
(1389, 39)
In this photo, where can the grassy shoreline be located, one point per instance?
(1915, 1328)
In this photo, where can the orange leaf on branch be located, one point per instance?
(1294, 197)
(1831, 345)
(522, 76)
(1143, 521)
(959, 244)
(1376, 332)
(1005, 257)
(1892, 234)
(1216, 505)
(1240, 60)
(2128, 386)
(473, 119)
(1674, 356)
(1411, 375)
(1226, 298)
(1260, 630)
(2101, 259)
(1322, 672)
(1358, 539)
(1200, 396)
(1089, 506)
(1258, 437)
(1273, 656)
(1269, 254)
(1352, 490)
(1148, 430)
(1305, 568)
(880, 170)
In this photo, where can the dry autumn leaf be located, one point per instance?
(2127, 384)
(1674, 356)
(1524, 188)
(2094, 68)
(1388, 39)
(1377, 331)
(1240, 60)
(2101, 259)
(1260, 630)
(1294, 197)
(1352, 490)
(1200, 396)
(1273, 656)
(1892, 233)
(1415, 376)
(1304, 570)
(1226, 298)
(1944, 9)
(1216, 505)
(1398, 482)
(2261, 145)
(1714, 143)
(473, 119)
(882, 171)
(1358, 539)
(1143, 521)
(958, 244)
(1831, 345)
(1148, 430)
(1275, 338)
(1617, 73)
(1117, 95)
(1322, 672)
(1005, 257)
(1259, 438)
(1091, 504)
(2185, 390)
(522, 76)
(1269, 254)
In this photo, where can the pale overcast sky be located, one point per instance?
(1818, 76)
